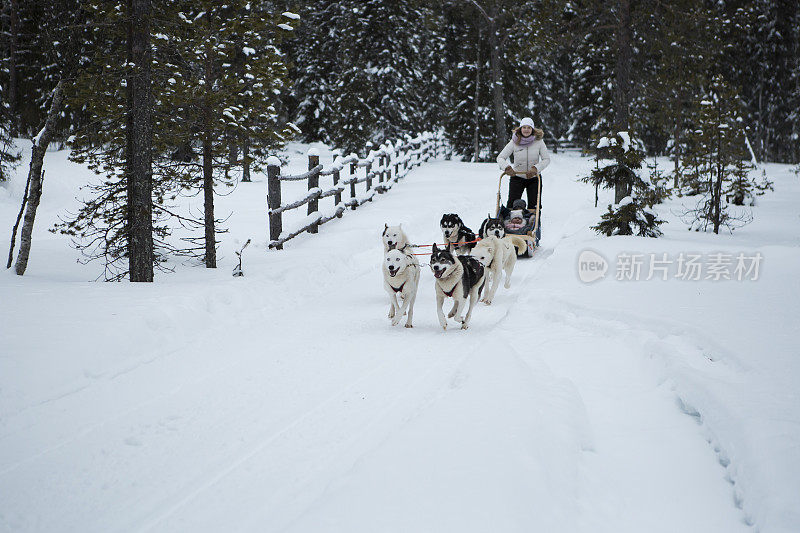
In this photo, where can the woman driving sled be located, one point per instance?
(530, 158)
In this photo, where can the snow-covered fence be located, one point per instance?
(388, 164)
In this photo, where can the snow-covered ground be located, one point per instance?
(285, 401)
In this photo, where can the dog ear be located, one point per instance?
(385, 227)
(434, 247)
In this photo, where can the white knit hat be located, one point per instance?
(527, 121)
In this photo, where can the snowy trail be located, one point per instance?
(536, 418)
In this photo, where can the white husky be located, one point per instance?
(497, 255)
(400, 277)
(394, 238)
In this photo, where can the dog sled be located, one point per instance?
(529, 227)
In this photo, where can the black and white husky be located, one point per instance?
(454, 231)
(459, 277)
(492, 227)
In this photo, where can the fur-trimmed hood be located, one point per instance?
(538, 133)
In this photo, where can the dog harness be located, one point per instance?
(450, 294)
(400, 288)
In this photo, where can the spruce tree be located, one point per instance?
(619, 162)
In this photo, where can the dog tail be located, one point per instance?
(519, 242)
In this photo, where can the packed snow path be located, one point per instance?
(285, 401)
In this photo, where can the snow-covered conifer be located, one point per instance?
(620, 160)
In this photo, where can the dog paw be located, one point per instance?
(464, 326)
(396, 321)
(444, 325)
(409, 326)
(487, 302)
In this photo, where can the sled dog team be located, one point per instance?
(463, 266)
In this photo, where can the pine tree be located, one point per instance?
(9, 157)
(227, 75)
(677, 43)
(468, 125)
(216, 71)
(766, 32)
(365, 71)
(720, 160)
(45, 38)
(532, 85)
(619, 161)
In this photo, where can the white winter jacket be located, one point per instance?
(525, 157)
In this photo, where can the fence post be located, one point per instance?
(313, 182)
(338, 196)
(353, 185)
(274, 200)
(369, 178)
(398, 155)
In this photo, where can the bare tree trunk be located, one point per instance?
(208, 197)
(139, 137)
(622, 89)
(497, 83)
(716, 194)
(676, 153)
(246, 158)
(12, 67)
(476, 139)
(36, 177)
(208, 165)
(19, 219)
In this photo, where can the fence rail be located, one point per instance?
(388, 164)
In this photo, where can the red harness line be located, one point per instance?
(453, 243)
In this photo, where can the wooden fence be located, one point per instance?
(386, 165)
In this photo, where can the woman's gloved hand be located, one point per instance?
(532, 172)
(509, 170)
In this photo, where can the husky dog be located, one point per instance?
(394, 238)
(400, 276)
(454, 231)
(457, 277)
(492, 226)
(497, 255)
